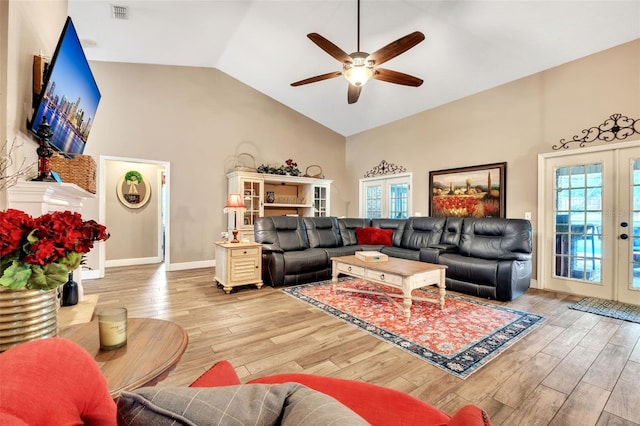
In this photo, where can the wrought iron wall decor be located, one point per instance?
(385, 168)
(617, 126)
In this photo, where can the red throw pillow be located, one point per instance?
(374, 236)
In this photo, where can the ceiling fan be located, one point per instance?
(359, 67)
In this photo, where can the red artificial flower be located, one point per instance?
(38, 253)
(14, 225)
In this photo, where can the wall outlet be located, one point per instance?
(527, 215)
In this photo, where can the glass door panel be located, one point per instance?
(373, 203)
(252, 201)
(386, 197)
(578, 221)
(627, 222)
(399, 201)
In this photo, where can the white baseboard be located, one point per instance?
(129, 262)
(534, 283)
(191, 265)
(148, 260)
(90, 274)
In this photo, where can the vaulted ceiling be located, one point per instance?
(470, 45)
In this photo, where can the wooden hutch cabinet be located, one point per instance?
(277, 195)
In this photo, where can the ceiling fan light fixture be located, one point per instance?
(358, 75)
(360, 70)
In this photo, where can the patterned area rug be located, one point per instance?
(608, 308)
(459, 339)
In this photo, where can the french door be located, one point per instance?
(590, 216)
(386, 197)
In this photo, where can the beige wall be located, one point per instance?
(514, 123)
(4, 37)
(198, 119)
(135, 233)
(27, 28)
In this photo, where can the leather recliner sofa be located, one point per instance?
(489, 257)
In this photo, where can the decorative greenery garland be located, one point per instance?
(133, 174)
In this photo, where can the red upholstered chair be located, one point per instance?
(53, 382)
(376, 404)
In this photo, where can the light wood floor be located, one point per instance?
(575, 369)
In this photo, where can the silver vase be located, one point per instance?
(27, 315)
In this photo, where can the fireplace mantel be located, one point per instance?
(37, 198)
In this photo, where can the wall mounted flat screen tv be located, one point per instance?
(69, 97)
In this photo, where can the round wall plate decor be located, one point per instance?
(133, 190)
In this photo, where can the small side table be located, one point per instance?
(238, 264)
(153, 349)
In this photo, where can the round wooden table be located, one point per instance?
(153, 349)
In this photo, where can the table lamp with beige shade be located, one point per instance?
(235, 203)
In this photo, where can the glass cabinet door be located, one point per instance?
(252, 201)
(320, 201)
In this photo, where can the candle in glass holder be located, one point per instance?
(112, 324)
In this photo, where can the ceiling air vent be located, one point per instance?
(119, 12)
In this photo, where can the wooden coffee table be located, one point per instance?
(402, 274)
(153, 349)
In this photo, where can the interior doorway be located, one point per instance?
(589, 241)
(138, 223)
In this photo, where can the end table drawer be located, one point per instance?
(250, 251)
(383, 277)
(350, 269)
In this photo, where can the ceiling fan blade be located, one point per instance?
(353, 93)
(395, 48)
(396, 77)
(317, 78)
(329, 47)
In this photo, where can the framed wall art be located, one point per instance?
(477, 191)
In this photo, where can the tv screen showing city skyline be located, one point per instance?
(70, 96)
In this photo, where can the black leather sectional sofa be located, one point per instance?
(489, 258)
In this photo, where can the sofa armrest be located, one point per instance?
(470, 415)
(431, 254)
(221, 374)
(444, 248)
(271, 248)
(273, 267)
(376, 404)
(515, 256)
